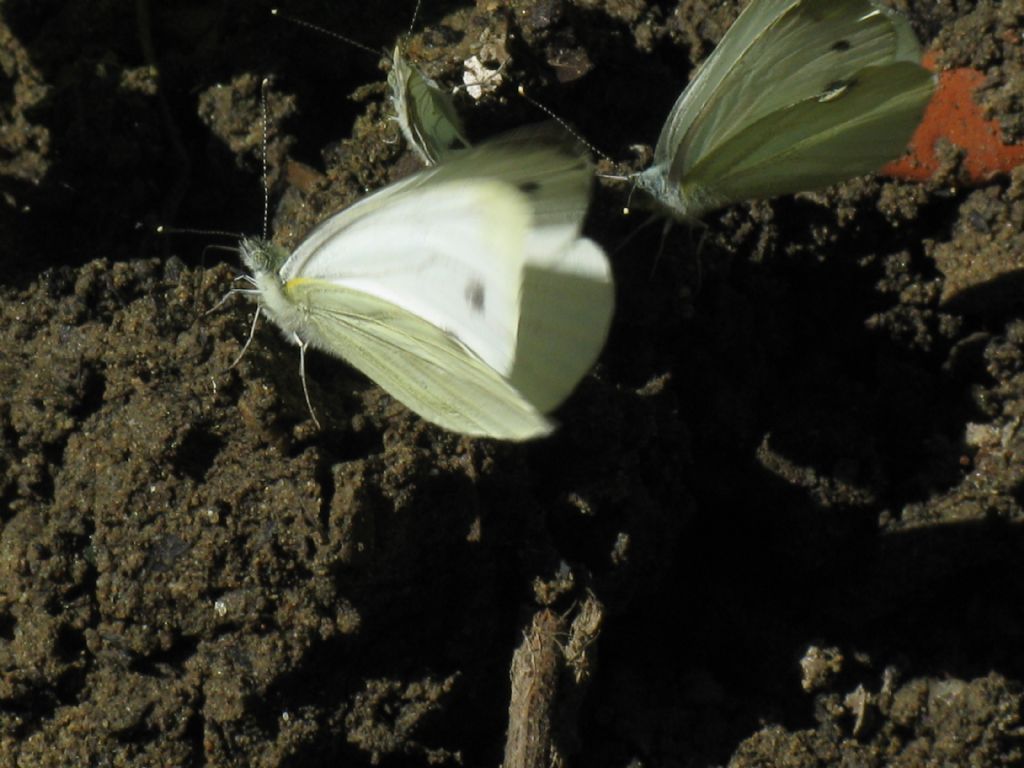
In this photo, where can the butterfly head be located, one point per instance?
(673, 200)
(262, 256)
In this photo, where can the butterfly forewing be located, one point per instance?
(810, 48)
(747, 28)
(542, 163)
(451, 253)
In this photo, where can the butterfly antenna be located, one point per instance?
(700, 261)
(330, 33)
(626, 210)
(264, 88)
(165, 230)
(661, 246)
(302, 375)
(415, 15)
(562, 122)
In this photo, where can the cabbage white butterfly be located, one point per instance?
(466, 290)
(799, 94)
(425, 113)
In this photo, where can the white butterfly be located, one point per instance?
(425, 113)
(799, 94)
(465, 290)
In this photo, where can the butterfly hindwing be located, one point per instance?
(814, 142)
(420, 365)
(805, 50)
(564, 320)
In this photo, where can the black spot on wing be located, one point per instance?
(528, 187)
(475, 295)
(840, 46)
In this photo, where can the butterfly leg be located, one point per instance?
(252, 334)
(700, 261)
(665, 229)
(302, 375)
(232, 292)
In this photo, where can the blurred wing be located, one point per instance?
(777, 54)
(449, 244)
(542, 162)
(863, 125)
(420, 365)
(425, 113)
(567, 294)
(450, 253)
(564, 319)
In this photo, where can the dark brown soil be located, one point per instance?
(781, 524)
